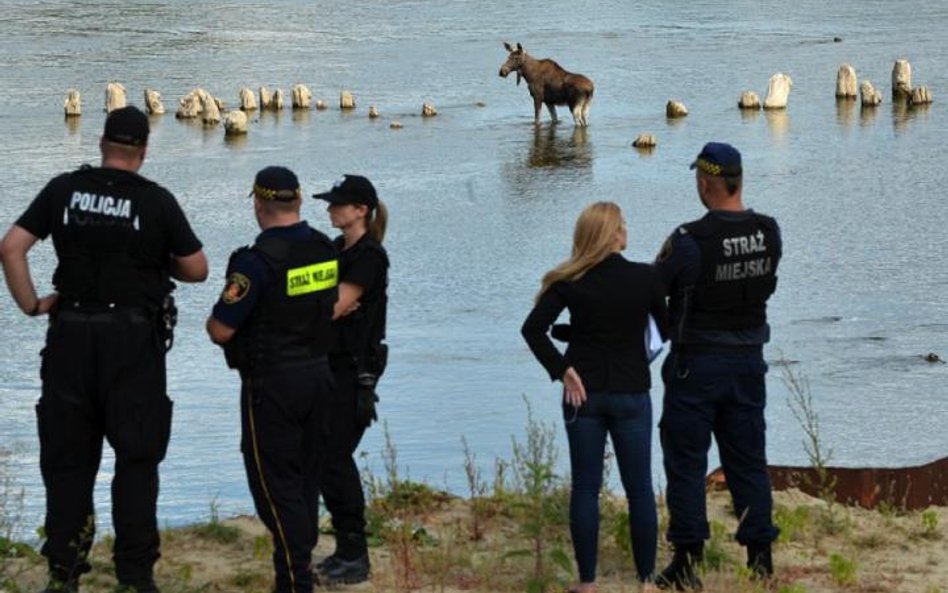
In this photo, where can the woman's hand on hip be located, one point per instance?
(573, 391)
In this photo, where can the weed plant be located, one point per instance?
(792, 522)
(716, 556)
(543, 507)
(395, 508)
(832, 521)
(842, 569)
(930, 529)
(216, 531)
(15, 557)
(480, 506)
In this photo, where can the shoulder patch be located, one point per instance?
(236, 288)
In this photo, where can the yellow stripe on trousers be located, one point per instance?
(266, 491)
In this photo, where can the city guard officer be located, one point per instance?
(119, 239)
(719, 271)
(357, 358)
(273, 320)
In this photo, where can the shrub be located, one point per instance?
(842, 569)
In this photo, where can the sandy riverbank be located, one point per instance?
(429, 547)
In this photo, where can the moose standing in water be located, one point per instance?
(549, 83)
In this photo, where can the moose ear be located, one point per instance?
(507, 46)
(519, 47)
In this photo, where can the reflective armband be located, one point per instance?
(312, 278)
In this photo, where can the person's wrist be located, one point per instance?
(36, 308)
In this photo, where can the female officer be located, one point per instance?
(605, 376)
(357, 359)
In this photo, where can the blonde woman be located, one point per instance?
(606, 378)
(357, 358)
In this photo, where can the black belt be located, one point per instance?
(271, 365)
(717, 348)
(72, 310)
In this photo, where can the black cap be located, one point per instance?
(351, 189)
(276, 183)
(127, 125)
(718, 159)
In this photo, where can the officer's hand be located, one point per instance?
(45, 304)
(352, 308)
(366, 398)
(574, 393)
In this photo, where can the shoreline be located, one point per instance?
(426, 540)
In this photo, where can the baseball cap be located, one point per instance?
(127, 125)
(718, 159)
(276, 183)
(351, 189)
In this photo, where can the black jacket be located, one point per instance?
(608, 314)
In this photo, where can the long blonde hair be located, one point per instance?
(594, 238)
(376, 222)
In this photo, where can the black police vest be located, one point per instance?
(99, 241)
(361, 333)
(291, 321)
(738, 272)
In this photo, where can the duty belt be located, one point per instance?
(71, 309)
(717, 348)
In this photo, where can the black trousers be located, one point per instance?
(722, 395)
(103, 377)
(341, 483)
(284, 421)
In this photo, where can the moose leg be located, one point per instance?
(577, 110)
(552, 109)
(537, 105)
(586, 103)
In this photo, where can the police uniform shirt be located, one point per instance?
(679, 265)
(366, 266)
(363, 267)
(248, 276)
(159, 226)
(608, 308)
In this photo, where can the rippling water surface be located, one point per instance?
(482, 203)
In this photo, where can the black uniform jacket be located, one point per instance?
(608, 309)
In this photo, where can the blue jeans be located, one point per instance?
(627, 418)
(723, 394)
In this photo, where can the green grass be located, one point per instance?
(216, 531)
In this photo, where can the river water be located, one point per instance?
(482, 202)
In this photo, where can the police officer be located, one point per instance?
(273, 319)
(719, 270)
(357, 358)
(119, 239)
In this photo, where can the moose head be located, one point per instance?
(514, 61)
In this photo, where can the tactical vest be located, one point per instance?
(738, 272)
(361, 333)
(291, 320)
(99, 245)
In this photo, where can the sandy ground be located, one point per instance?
(875, 552)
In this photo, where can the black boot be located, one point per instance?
(327, 562)
(138, 587)
(61, 581)
(682, 572)
(759, 560)
(57, 586)
(346, 572)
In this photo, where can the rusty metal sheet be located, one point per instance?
(909, 488)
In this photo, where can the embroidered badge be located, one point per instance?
(237, 288)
